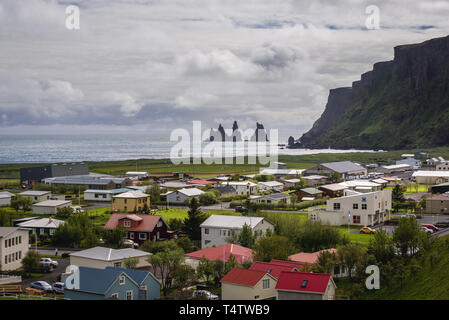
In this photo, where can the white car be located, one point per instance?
(427, 230)
(206, 294)
(49, 262)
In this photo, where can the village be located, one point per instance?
(278, 234)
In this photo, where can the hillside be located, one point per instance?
(400, 104)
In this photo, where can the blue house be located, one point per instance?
(114, 283)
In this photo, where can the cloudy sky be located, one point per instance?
(155, 65)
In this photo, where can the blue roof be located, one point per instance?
(99, 280)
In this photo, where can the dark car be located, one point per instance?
(240, 209)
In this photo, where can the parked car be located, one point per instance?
(42, 285)
(50, 262)
(130, 244)
(240, 209)
(408, 215)
(431, 226)
(205, 295)
(427, 230)
(367, 230)
(58, 287)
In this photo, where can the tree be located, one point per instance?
(165, 263)
(130, 263)
(274, 247)
(175, 224)
(15, 204)
(246, 237)
(195, 218)
(25, 203)
(206, 269)
(326, 262)
(335, 177)
(155, 193)
(184, 276)
(349, 255)
(31, 261)
(64, 213)
(208, 198)
(408, 236)
(115, 237)
(382, 246)
(186, 245)
(5, 218)
(397, 194)
(313, 236)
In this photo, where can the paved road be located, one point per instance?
(426, 219)
(51, 277)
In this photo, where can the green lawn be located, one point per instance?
(355, 237)
(99, 216)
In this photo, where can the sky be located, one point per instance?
(151, 66)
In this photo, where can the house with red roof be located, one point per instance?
(222, 253)
(312, 258)
(275, 267)
(305, 286)
(201, 182)
(140, 227)
(246, 284)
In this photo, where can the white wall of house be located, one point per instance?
(12, 255)
(5, 202)
(217, 236)
(443, 166)
(244, 188)
(98, 196)
(231, 291)
(101, 264)
(49, 209)
(177, 197)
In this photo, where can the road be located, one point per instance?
(426, 219)
(50, 277)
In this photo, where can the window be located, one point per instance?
(131, 235)
(364, 207)
(6, 243)
(13, 239)
(127, 224)
(266, 284)
(336, 206)
(356, 219)
(355, 206)
(142, 236)
(206, 231)
(114, 296)
(20, 239)
(206, 241)
(129, 295)
(304, 283)
(117, 264)
(122, 280)
(6, 259)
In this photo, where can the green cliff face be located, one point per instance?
(400, 104)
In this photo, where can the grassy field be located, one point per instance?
(363, 239)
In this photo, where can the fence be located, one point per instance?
(27, 297)
(6, 279)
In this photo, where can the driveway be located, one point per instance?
(426, 219)
(50, 277)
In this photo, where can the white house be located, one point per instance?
(395, 168)
(273, 198)
(270, 185)
(361, 185)
(101, 257)
(217, 228)
(102, 195)
(42, 226)
(431, 177)
(13, 247)
(5, 198)
(243, 187)
(137, 174)
(36, 196)
(414, 163)
(361, 209)
(315, 180)
(50, 206)
(180, 196)
(442, 166)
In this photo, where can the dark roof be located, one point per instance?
(279, 195)
(225, 188)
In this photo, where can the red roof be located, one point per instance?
(147, 223)
(244, 277)
(309, 258)
(272, 268)
(223, 252)
(441, 197)
(201, 182)
(292, 264)
(313, 282)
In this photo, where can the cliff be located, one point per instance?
(400, 104)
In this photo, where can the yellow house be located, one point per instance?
(131, 201)
(245, 284)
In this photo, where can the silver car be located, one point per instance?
(205, 295)
(58, 287)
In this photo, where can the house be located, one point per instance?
(42, 226)
(5, 198)
(308, 258)
(50, 206)
(440, 188)
(333, 190)
(281, 173)
(175, 185)
(226, 190)
(270, 186)
(243, 187)
(13, 247)
(36, 196)
(361, 209)
(383, 183)
(347, 169)
(217, 228)
(272, 198)
(290, 183)
(431, 177)
(442, 166)
(222, 253)
(309, 193)
(413, 163)
(305, 286)
(438, 204)
(33, 175)
(91, 181)
(139, 175)
(114, 283)
(315, 180)
(140, 227)
(435, 161)
(101, 257)
(395, 168)
(102, 195)
(183, 195)
(275, 267)
(131, 201)
(361, 185)
(201, 182)
(244, 284)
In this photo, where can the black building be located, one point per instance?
(33, 175)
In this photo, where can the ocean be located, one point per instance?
(100, 147)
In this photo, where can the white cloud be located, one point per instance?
(127, 104)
